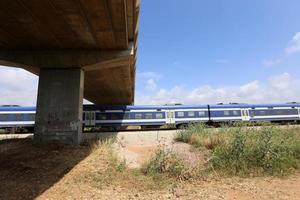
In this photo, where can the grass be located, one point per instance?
(241, 150)
(236, 150)
(105, 169)
(200, 135)
(164, 161)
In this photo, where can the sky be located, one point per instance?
(204, 51)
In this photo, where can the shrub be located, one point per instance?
(212, 142)
(200, 135)
(267, 150)
(164, 162)
(241, 149)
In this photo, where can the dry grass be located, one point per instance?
(104, 169)
(43, 172)
(213, 141)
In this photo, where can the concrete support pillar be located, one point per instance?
(59, 106)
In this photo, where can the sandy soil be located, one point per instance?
(28, 171)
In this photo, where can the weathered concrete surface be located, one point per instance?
(48, 37)
(59, 106)
(99, 36)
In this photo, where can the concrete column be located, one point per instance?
(59, 106)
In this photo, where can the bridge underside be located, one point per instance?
(83, 48)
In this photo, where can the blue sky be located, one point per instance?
(216, 43)
(204, 51)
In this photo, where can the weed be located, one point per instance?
(265, 150)
(164, 161)
(241, 150)
(198, 135)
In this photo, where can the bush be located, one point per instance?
(264, 150)
(200, 135)
(165, 162)
(241, 149)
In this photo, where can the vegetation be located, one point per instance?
(241, 150)
(104, 168)
(164, 161)
(200, 135)
(234, 150)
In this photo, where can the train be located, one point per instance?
(156, 116)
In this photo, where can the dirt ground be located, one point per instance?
(29, 171)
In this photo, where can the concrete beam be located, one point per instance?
(59, 106)
(64, 58)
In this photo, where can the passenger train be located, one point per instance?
(156, 116)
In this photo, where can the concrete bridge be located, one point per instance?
(79, 48)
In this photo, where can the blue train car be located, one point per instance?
(255, 112)
(143, 115)
(123, 115)
(274, 112)
(16, 116)
(230, 112)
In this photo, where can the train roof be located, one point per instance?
(142, 107)
(174, 107)
(153, 107)
(244, 105)
(17, 108)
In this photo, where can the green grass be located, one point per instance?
(199, 135)
(240, 150)
(164, 161)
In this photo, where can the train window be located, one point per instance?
(87, 116)
(19, 117)
(201, 113)
(191, 113)
(138, 116)
(285, 112)
(226, 113)
(102, 116)
(278, 112)
(148, 116)
(4, 117)
(159, 115)
(236, 113)
(31, 117)
(116, 116)
(262, 112)
(180, 114)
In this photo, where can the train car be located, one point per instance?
(273, 112)
(143, 115)
(114, 116)
(255, 112)
(14, 118)
(227, 113)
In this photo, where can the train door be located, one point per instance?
(170, 117)
(90, 118)
(245, 114)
